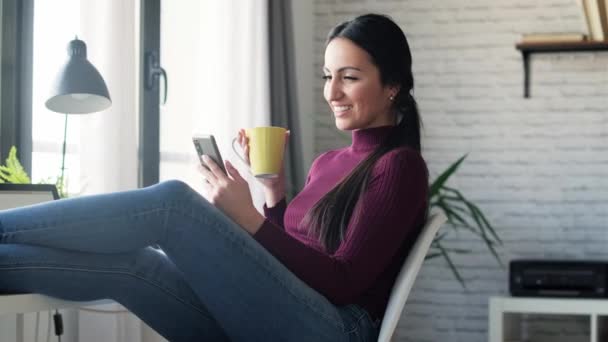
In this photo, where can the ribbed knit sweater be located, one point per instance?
(382, 229)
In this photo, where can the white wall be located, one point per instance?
(537, 167)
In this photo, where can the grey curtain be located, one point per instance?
(283, 95)
(16, 39)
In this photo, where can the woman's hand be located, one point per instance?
(274, 188)
(230, 193)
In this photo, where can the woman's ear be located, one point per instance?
(394, 90)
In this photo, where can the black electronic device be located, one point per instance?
(205, 144)
(558, 278)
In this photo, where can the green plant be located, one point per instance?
(13, 171)
(461, 214)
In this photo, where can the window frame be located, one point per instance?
(16, 81)
(149, 115)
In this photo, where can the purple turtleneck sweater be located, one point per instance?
(382, 229)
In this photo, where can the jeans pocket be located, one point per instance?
(358, 324)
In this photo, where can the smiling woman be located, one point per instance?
(320, 268)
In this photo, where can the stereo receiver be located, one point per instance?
(558, 278)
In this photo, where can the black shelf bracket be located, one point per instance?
(553, 47)
(526, 57)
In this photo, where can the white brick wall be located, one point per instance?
(537, 167)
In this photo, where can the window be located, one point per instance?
(51, 38)
(215, 53)
(102, 146)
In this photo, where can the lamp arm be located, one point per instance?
(65, 135)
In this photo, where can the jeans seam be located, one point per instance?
(356, 325)
(166, 223)
(265, 267)
(54, 224)
(109, 271)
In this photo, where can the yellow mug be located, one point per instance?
(266, 148)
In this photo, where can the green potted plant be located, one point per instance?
(461, 214)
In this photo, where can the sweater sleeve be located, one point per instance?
(276, 213)
(386, 215)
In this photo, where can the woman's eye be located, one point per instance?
(347, 78)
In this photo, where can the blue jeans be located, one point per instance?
(213, 282)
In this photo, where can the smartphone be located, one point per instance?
(205, 144)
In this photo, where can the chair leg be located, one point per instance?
(19, 327)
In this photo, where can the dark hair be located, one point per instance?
(385, 42)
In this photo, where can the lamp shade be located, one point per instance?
(79, 87)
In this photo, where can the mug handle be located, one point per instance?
(237, 153)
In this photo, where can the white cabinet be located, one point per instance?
(506, 313)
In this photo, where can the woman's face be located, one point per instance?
(353, 89)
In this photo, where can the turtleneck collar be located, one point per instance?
(369, 138)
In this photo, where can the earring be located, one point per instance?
(392, 97)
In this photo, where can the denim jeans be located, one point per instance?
(211, 282)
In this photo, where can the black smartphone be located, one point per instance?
(205, 144)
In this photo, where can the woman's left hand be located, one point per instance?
(230, 193)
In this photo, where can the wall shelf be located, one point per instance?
(552, 47)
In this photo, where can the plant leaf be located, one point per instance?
(438, 183)
(487, 224)
(472, 210)
(432, 255)
(475, 214)
(439, 236)
(13, 172)
(461, 214)
(451, 265)
(452, 213)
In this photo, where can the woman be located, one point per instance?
(320, 269)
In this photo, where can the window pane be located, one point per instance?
(55, 24)
(218, 80)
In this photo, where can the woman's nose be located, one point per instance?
(333, 90)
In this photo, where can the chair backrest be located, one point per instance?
(407, 275)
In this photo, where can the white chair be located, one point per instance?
(407, 275)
